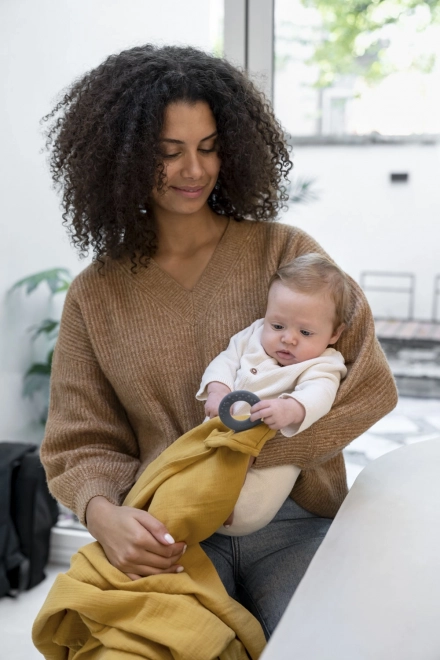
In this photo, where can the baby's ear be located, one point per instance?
(337, 333)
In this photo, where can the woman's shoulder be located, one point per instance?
(272, 231)
(282, 241)
(268, 228)
(95, 279)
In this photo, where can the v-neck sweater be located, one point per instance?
(131, 352)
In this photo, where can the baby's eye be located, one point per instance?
(277, 326)
(306, 333)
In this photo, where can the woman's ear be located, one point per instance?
(337, 333)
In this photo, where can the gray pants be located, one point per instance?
(263, 569)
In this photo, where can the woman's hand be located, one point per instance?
(216, 392)
(278, 413)
(133, 540)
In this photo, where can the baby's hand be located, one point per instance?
(278, 413)
(216, 392)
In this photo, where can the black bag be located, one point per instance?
(27, 513)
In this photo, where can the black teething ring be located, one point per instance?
(225, 405)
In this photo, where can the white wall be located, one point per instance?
(367, 223)
(44, 44)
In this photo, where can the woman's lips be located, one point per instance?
(191, 193)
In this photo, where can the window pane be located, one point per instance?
(393, 87)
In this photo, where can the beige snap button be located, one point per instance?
(254, 371)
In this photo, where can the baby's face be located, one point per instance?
(297, 326)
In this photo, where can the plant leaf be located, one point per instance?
(50, 358)
(57, 279)
(36, 382)
(354, 41)
(302, 191)
(42, 368)
(48, 327)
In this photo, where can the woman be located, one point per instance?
(171, 165)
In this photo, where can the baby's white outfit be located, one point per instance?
(245, 365)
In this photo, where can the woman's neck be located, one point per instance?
(186, 244)
(184, 235)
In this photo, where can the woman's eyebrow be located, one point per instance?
(208, 137)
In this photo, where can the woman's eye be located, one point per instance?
(168, 156)
(208, 151)
(306, 333)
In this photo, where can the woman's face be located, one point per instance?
(189, 147)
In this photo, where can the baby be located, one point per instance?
(285, 360)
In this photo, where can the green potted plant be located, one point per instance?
(37, 377)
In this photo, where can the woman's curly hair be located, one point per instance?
(106, 158)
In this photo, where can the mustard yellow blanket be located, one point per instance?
(95, 612)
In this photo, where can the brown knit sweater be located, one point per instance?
(132, 350)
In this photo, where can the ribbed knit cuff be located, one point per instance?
(92, 488)
(202, 394)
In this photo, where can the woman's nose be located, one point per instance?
(192, 167)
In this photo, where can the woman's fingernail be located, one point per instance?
(227, 526)
(179, 569)
(184, 549)
(169, 538)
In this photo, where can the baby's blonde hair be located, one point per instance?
(312, 273)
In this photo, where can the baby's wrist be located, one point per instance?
(216, 387)
(299, 412)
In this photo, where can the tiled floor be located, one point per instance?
(413, 420)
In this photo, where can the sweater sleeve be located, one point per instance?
(89, 447)
(316, 390)
(366, 394)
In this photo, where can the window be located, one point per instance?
(390, 84)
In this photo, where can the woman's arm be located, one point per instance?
(90, 454)
(89, 447)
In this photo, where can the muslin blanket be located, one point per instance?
(95, 612)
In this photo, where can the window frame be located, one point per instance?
(249, 43)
